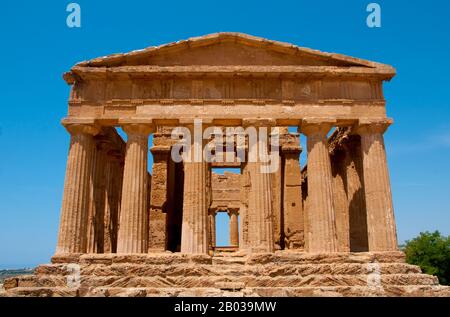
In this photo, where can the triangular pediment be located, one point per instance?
(227, 49)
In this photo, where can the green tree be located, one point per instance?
(430, 251)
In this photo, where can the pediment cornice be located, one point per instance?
(228, 53)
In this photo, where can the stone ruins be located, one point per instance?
(325, 228)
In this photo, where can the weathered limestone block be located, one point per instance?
(158, 198)
(226, 190)
(293, 216)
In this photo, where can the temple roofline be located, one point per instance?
(344, 61)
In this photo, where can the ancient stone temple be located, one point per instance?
(324, 228)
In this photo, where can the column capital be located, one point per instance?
(233, 211)
(370, 126)
(82, 128)
(212, 211)
(291, 150)
(160, 149)
(290, 144)
(137, 128)
(317, 126)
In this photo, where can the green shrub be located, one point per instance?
(430, 251)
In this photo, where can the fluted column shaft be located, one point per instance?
(75, 205)
(341, 205)
(212, 228)
(109, 214)
(133, 227)
(95, 231)
(355, 195)
(381, 227)
(115, 164)
(244, 230)
(195, 226)
(321, 214)
(260, 206)
(234, 228)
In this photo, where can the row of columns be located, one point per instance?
(257, 232)
(322, 234)
(75, 228)
(233, 227)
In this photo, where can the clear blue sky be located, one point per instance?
(37, 47)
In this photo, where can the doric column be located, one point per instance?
(244, 239)
(195, 227)
(277, 194)
(234, 227)
(321, 213)
(133, 227)
(74, 211)
(381, 228)
(212, 228)
(95, 231)
(355, 195)
(339, 173)
(260, 210)
(113, 193)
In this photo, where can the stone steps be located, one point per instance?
(249, 259)
(247, 281)
(228, 274)
(127, 269)
(348, 291)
